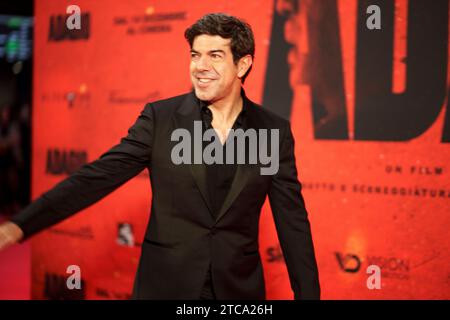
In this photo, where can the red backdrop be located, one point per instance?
(365, 196)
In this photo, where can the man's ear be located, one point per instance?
(244, 64)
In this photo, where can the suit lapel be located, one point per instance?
(240, 179)
(243, 171)
(185, 116)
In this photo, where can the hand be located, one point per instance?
(10, 234)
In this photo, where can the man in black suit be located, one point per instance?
(202, 238)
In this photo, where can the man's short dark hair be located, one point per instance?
(228, 27)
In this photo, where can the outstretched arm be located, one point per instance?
(90, 183)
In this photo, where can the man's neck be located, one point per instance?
(226, 110)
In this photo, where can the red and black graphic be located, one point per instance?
(369, 111)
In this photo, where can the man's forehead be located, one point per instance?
(209, 42)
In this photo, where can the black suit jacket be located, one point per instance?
(182, 238)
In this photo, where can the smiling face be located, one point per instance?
(214, 74)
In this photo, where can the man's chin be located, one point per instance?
(203, 94)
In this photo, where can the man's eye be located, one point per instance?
(194, 55)
(216, 56)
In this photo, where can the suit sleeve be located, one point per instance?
(92, 181)
(292, 224)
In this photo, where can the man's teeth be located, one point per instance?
(204, 80)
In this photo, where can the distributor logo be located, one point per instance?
(348, 263)
(390, 267)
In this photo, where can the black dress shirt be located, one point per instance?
(219, 176)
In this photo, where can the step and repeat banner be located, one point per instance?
(364, 83)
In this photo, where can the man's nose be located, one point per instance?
(203, 63)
